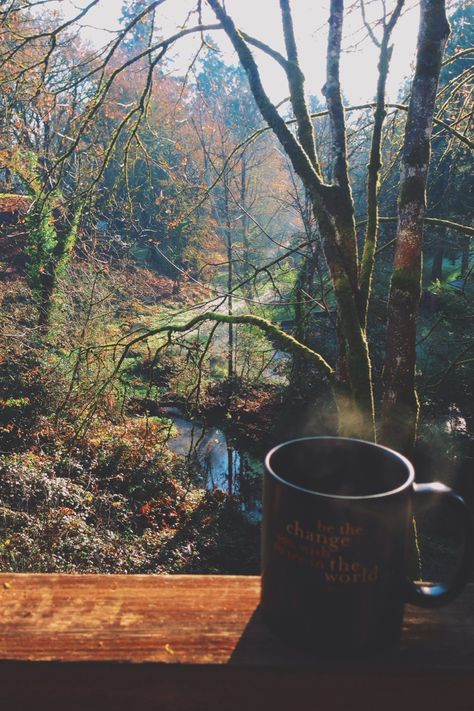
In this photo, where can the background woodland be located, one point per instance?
(190, 273)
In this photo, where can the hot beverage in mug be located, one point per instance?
(337, 515)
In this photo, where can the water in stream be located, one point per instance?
(219, 464)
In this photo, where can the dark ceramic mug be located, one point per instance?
(337, 513)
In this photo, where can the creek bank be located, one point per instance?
(216, 463)
(248, 416)
(253, 418)
(260, 418)
(223, 447)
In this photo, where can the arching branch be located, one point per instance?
(275, 333)
(438, 222)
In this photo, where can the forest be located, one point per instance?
(193, 269)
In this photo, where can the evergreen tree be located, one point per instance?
(140, 35)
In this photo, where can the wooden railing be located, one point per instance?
(197, 642)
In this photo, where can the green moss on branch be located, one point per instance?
(284, 340)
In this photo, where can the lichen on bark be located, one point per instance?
(400, 404)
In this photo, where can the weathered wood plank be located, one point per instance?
(191, 620)
(68, 642)
(175, 619)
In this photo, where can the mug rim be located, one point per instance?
(402, 459)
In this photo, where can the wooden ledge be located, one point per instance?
(188, 642)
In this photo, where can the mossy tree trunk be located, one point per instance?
(51, 241)
(400, 403)
(333, 207)
(332, 204)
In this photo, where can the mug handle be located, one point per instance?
(435, 595)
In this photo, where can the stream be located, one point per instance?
(219, 464)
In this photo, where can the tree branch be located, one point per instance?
(276, 334)
(375, 162)
(299, 159)
(267, 50)
(342, 248)
(466, 229)
(332, 92)
(458, 55)
(296, 85)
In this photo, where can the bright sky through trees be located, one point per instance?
(261, 18)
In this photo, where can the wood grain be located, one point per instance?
(199, 642)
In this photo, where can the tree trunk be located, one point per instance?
(375, 164)
(400, 401)
(332, 204)
(230, 278)
(437, 267)
(354, 395)
(303, 289)
(45, 300)
(466, 244)
(248, 290)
